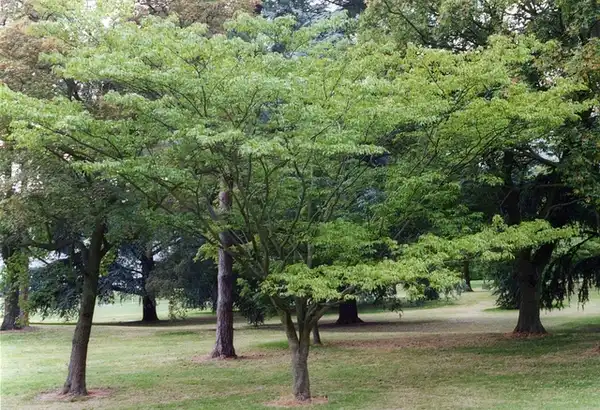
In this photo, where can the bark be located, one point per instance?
(11, 293)
(529, 309)
(11, 276)
(24, 311)
(301, 381)
(149, 309)
(224, 343)
(348, 313)
(148, 299)
(316, 335)
(530, 266)
(11, 310)
(467, 276)
(309, 262)
(76, 381)
(299, 347)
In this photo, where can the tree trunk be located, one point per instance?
(76, 382)
(148, 299)
(529, 273)
(11, 291)
(529, 309)
(348, 313)
(149, 309)
(467, 276)
(301, 381)
(299, 347)
(24, 290)
(316, 335)
(24, 311)
(11, 309)
(224, 343)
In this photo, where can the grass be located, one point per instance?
(445, 357)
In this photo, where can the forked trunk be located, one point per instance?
(348, 313)
(224, 343)
(76, 381)
(316, 335)
(467, 276)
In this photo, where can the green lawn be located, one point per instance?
(445, 357)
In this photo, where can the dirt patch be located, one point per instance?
(290, 401)
(56, 395)
(208, 358)
(439, 341)
(525, 335)
(250, 356)
(594, 351)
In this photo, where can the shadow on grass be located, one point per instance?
(390, 326)
(562, 339)
(384, 326)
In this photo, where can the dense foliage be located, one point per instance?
(288, 164)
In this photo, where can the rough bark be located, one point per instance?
(11, 293)
(11, 310)
(24, 312)
(148, 300)
(529, 309)
(316, 335)
(224, 340)
(467, 276)
(348, 313)
(530, 266)
(76, 378)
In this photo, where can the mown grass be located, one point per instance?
(446, 357)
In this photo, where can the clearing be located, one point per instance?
(443, 357)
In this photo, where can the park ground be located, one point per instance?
(452, 355)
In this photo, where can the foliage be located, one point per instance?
(14, 277)
(527, 176)
(341, 162)
(183, 279)
(56, 288)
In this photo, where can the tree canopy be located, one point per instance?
(311, 160)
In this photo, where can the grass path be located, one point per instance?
(446, 357)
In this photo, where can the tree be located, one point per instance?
(78, 225)
(285, 155)
(270, 71)
(14, 280)
(531, 173)
(21, 71)
(66, 209)
(16, 261)
(348, 313)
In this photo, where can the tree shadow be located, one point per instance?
(427, 325)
